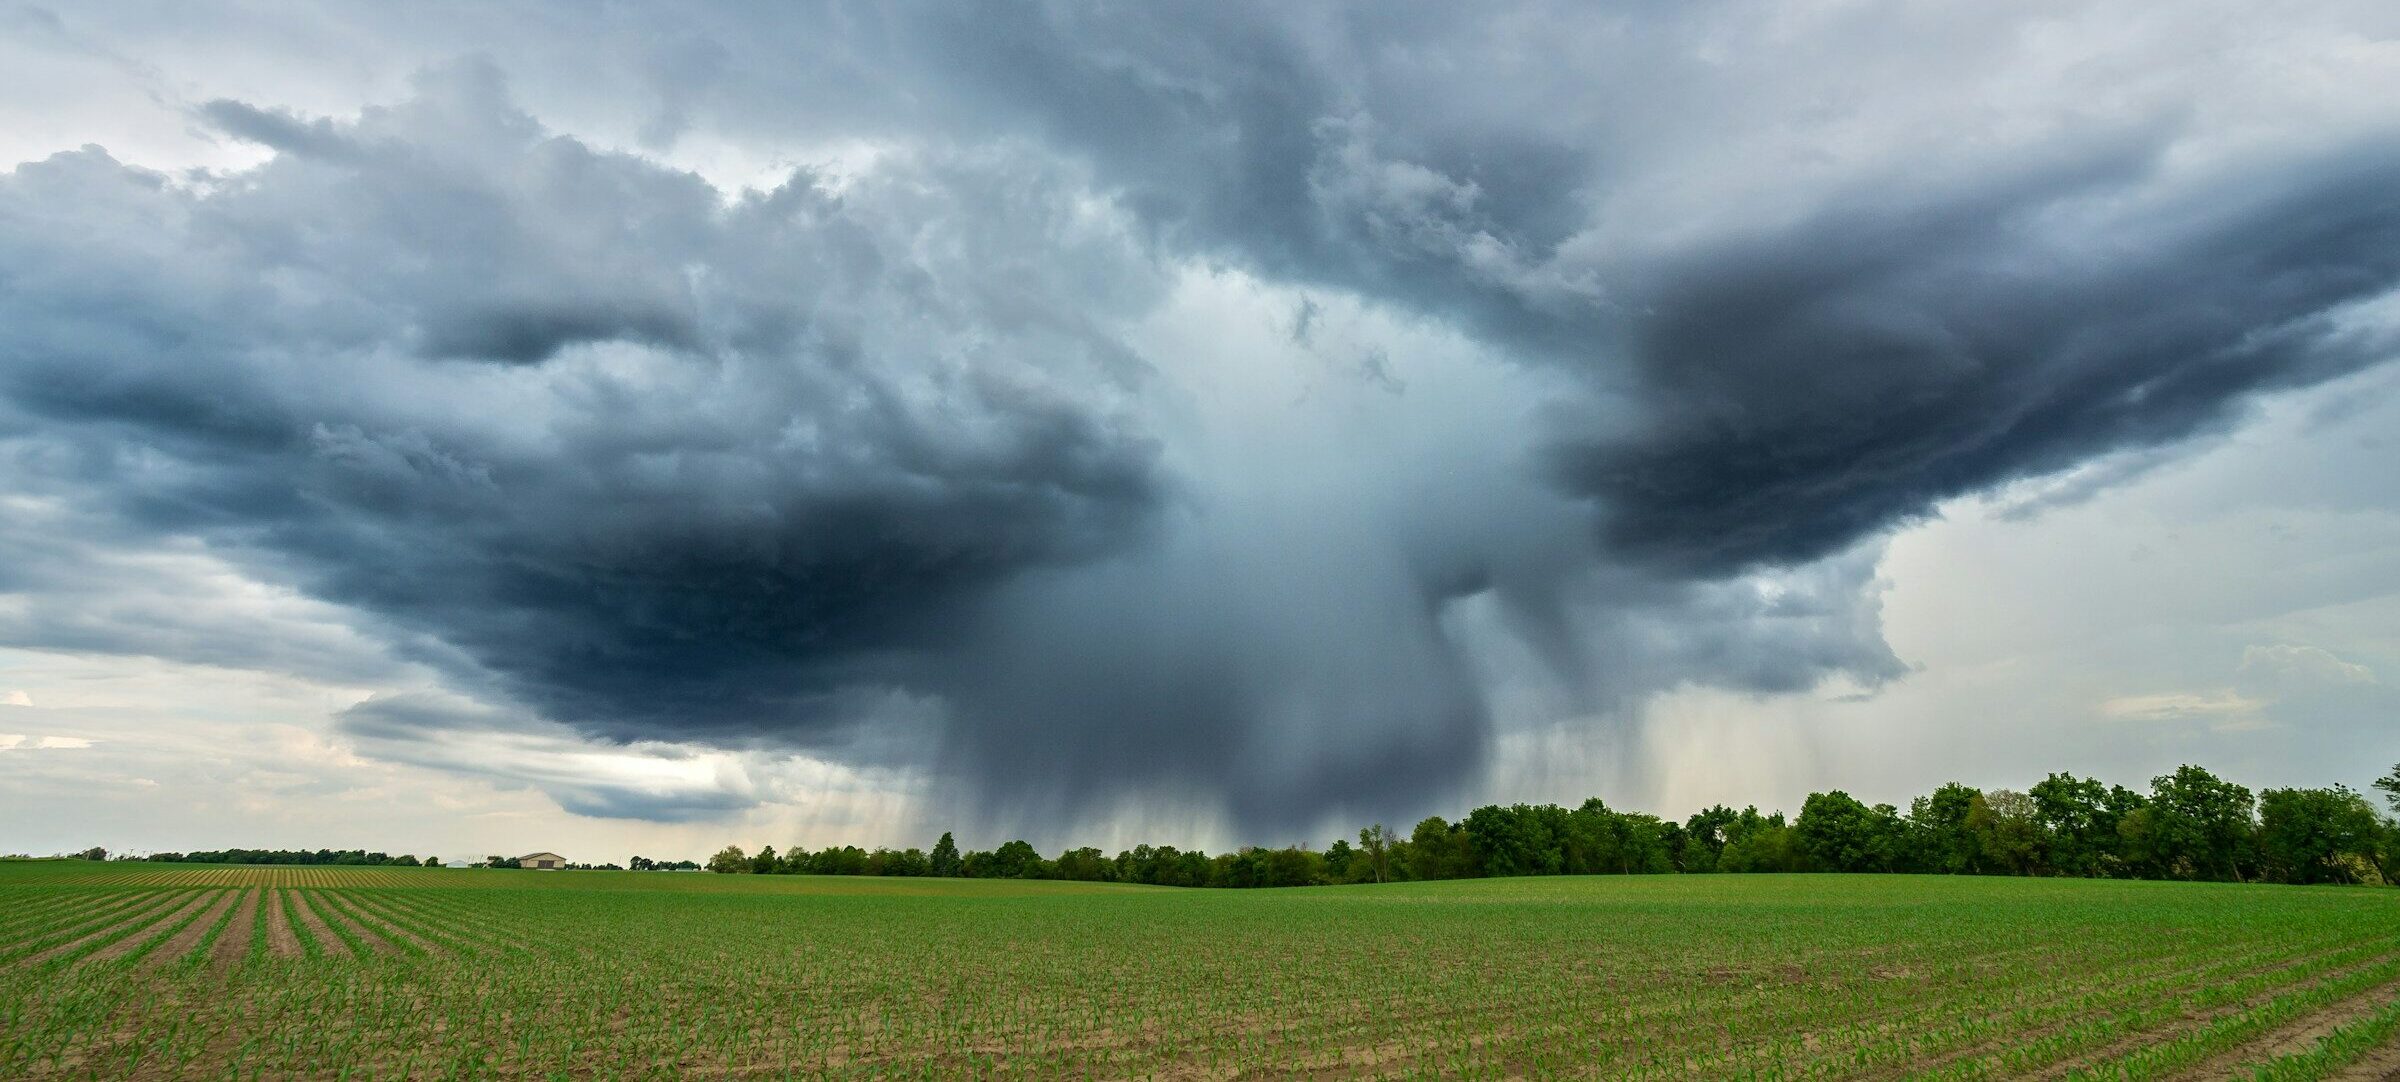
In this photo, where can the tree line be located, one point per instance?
(346, 857)
(2189, 825)
(639, 863)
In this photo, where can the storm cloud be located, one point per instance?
(1248, 410)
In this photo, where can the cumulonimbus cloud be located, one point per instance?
(623, 453)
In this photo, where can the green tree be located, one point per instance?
(1016, 860)
(2390, 786)
(1375, 845)
(2319, 835)
(1085, 864)
(2201, 826)
(1704, 838)
(1645, 844)
(729, 861)
(1517, 840)
(1839, 834)
(1588, 840)
(945, 856)
(1291, 866)
(1760, 843)
(1338, 857)
(2081, 816)
(2008, 832)
(1944, 844)
(1437, 850)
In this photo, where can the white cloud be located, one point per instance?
(22, 742)
(2180, 706)
(2304, 663)
(16, 697)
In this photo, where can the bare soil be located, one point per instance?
(192, 933)
(119, 949)
(333, 914)
(2380, 1065)
(316, 927)
(385, 927)
(136, 917)
(282, 941)
(2298, 1036)
(234, 945)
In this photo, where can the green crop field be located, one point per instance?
(133, 970)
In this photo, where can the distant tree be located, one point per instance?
(1515, 840)
(2081, 819)
(1645, 844)
(1375, 845)
(1017, 860)
(1760, 843)
(1590, 841)
(1291, 866)
(1704, 838)
(1085, 864)
(1944, 845)
(498, 862)
(729, 861)
(1837, 833)
(2201, 826)
(93, 853)
(945, 859)
(910, 861)
(832, 860)
(2389, 784)
(764, 862)
(2008, 833)
(2319, 836)
(1437, 850)
(1337, 861)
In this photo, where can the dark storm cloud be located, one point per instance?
(661, 464)
(1805, 388)
(1794, 387)
(619, 450)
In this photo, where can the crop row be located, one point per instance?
(1817, 977)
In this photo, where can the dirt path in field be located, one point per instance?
(331, 911)
(140, 915)
(317, 927)
(282, 941)
(234, 945)
(200, 901)
(191, 935)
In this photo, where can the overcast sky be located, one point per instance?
(635, 428)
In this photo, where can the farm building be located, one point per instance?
(545, 861)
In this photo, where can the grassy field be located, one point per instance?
(129, 970)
